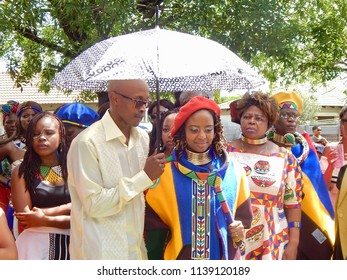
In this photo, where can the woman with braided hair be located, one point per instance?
(39, 191)
(201, 205)
(16, 119)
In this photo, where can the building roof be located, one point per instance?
(8, 91)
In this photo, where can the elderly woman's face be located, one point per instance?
(287, 121)
(199, 131)
(254, 123)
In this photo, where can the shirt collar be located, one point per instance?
(112, 131)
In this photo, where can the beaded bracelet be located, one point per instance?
(154, 184)
(7, 185)
(294, 225)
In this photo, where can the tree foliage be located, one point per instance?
(287, 40)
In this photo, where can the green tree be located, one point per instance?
(287, 41)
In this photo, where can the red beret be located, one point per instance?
(195, 104)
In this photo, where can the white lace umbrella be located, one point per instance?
(168, 60)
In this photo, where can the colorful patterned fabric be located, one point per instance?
(275, 182)
(289, 100)
(5, 192)
(189, 207)
(317, 233)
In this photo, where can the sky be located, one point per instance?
(2, 66)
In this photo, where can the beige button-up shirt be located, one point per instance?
(106, 183)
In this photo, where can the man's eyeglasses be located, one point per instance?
(138, 102)
(287, 116)
(343, 121)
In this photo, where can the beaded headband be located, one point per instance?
(19, 113)
(287, 105)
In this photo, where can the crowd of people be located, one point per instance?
(85, 185)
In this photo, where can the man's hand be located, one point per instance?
(154, 166)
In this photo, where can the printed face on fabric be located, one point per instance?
(287, 121)
(46, 138)
(199, 131)
(254, 123)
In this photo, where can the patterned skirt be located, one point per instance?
(43, 243)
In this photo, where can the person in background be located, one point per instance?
(317, 232)
(232, 130)
(166, 141)
(274, 179)
(103, 109)
(8, 249)
(165, 105)
(108, 172)
(319, 149)
(12, 148)
(76, 117)
(185, 96)
(40, 194)
(177, 99)
(26, 111)
(334, 157)
(201, 205)
(340, 246)
(9, 118)
(317, 137)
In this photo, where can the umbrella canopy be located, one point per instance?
(167, 60)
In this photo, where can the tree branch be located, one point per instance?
(31, 35)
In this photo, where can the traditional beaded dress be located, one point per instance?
(188, 203)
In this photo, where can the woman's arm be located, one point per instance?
(63, 209)
(20, 196)
(8, 249)
(293, 215)
(37, 218)
(34, 217)
(329, 157)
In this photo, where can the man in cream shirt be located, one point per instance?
(108, 172)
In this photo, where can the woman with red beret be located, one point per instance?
(201, 205)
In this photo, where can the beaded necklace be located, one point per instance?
(51, 174)
(287, 141)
